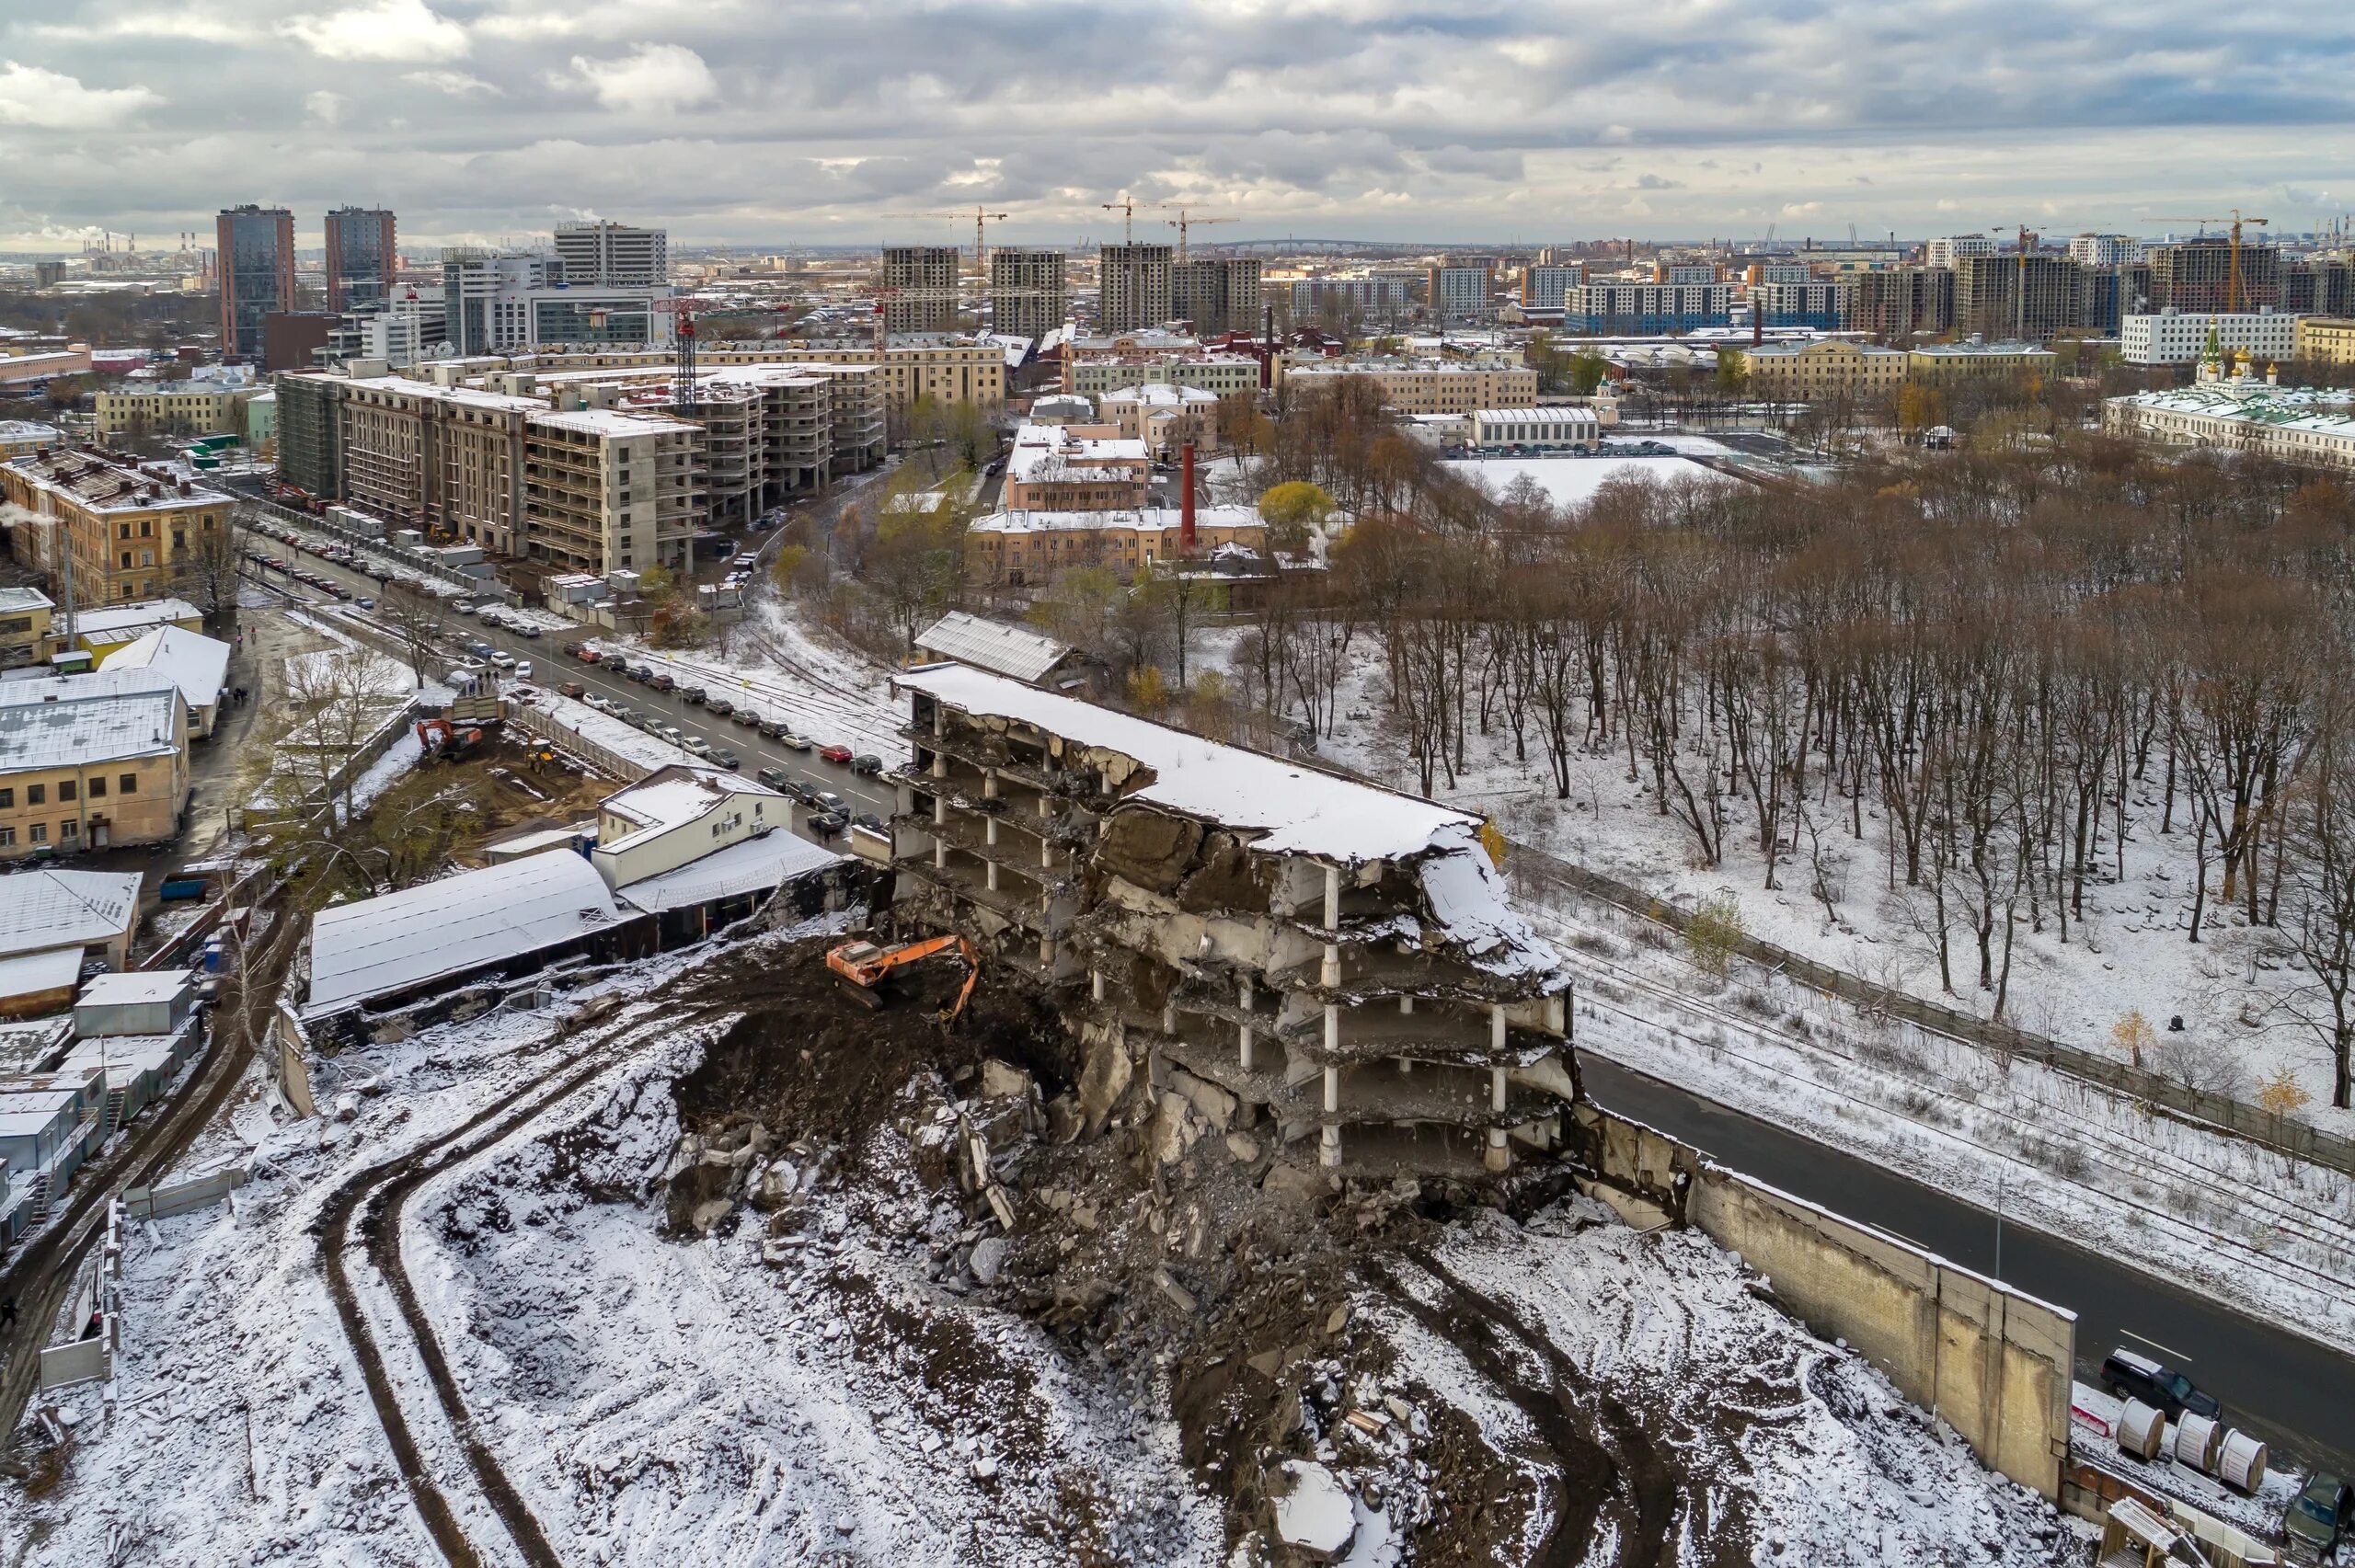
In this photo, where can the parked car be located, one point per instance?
(692, 694)
(503, 662)
(2318, 1519)
(365, 602)
(697, 744)
(525, 629)
(2129, 1375)
(868, 820)
(638, 672)
(829, 801)
(826, 824)
(664, 682)
(722, 757)
(867, 764)
(720, 706)
(805, 793)
(572, 689)
(836, 753)
(773, 778)
(748, 717)
(523, 670)
(572, 650)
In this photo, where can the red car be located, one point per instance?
(834, 754)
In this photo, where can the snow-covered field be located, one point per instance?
(789, 672)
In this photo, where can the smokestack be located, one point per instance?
(1186, 502)
(1757, 321)
(1267, 348)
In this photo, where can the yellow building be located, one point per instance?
(1031, 549)
(1424, 386)
(91, 762)
(25, 627)
(1945, 363)
(133, 531)
(172, 408)
(1826, 368)
(946, 368)
(2325, 340)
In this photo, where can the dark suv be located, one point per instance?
(2318, 1519)
(2129, 1375)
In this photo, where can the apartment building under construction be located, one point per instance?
(2030, 297)
(1029, 291)
(944, 367)
(1330, 964)
(919, 284)
(1135, 286)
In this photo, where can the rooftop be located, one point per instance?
(610, 422)
(34, 974)
(100, 482)
(1964, 350)
(48, 908)
(1161, 393)
(1137, 519)
(105, 717)
(133, 618)
(674, 796)
(132, 987)
(748, 866)
(197, 664)
(18, 601)
(1014, 651)
(2322, 410)
(1047, 452)
(459, 923)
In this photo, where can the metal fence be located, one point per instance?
(1535, 873)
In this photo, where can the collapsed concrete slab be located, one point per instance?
(1263, 940)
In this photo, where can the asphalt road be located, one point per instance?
(2297, 1395)
(550, 667)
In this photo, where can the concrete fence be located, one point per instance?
(1542, 877)
(1993, 1362)
(564, 737)
(82, 1361)
(157, 1203)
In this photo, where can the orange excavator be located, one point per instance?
(445, 742)
(863, 967)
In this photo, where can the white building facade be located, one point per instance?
(2173, 337)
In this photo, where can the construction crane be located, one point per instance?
(2233, 288)
(863, 967)
(1128, 211)
(1184, 219)
(980, 216)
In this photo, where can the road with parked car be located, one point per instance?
(834, 787)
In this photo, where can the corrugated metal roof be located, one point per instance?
(105, 717)
(749, 865)
(45, 908)
(459, 924)
(1014, 651)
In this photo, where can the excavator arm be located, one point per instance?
(863, 965)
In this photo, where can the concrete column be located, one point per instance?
(989, 874)
(989, 831)
(1095, 985)
(1558, 1013)
(1169, 1018)
(1047, 954)
(940, 855)
(1496, 1090)
(940, 811)
(1332, 1029)
(1328, 1146)
(1405, 1004)
(1405, 1066)
(1330, 972)
(1046, 855)
(989, 783)
(940, 764)
(1244, 1057)
(939, 721)
(1332, 1090)
(1332, 897)
(1500, 1158)
(1496, 1025)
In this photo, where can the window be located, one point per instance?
(126, 562)
(67, 789)
(99, 788)
(36, 794)
(40, 833)
(146, 528)
(126, 532)
(8, 799)
(180, 538)
(128, 783)
(7, 837)
(69, 828)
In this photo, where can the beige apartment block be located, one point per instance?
(1828, 369)
(2326, 340)
(1945, 363)
(91, 762)
(133, 531)
(171, 408)
(1429, 386)
(605, 490)
(1031, 549)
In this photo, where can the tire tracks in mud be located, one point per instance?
(1593, 1451)
(376, 1197)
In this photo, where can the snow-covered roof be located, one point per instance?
(48, 907)
(1122, 519)
(747, 865)
(108, 715)
(674, 798)
(31, 974)
(132, 987)
(461, 923)
(619, 736)
(197, 664)
(120, 622)
(545, 838)
(610, 422)
(1015, 651)
(1045, 453)
(1162, 395)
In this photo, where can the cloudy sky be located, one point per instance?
(768, 122)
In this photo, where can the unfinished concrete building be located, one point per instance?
(1321, 955)
(1030, 296)
(920, 287)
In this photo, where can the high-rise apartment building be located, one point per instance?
(2196, 275)
(2318, 285)
(1542, 284)
(2027, 297)
(614, 256)
(1948, 250)
(1460, 292)
(1029, 291)
(257, 273)
(1901, 301)
(360, 257)
(2104, 250)
(922, 284)
(1136, 284)
(494, 302)
(1216, 294)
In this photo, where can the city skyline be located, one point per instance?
(743, 125)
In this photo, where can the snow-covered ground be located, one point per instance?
(1574, 481)
(787, 671)
(823, 1393)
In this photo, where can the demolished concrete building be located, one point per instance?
(1259, 935)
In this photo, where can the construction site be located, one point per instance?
(1173, 1154)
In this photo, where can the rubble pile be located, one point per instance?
(1342, 1389)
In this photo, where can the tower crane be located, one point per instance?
(1185, 219)
(2233, 288)
(1128, 211)
(980, 216)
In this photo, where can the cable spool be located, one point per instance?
(2241, 1463)
(2197, 1440)
(2142, 1431)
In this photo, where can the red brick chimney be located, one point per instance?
(1186, 502)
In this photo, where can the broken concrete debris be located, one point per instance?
(1311, 1511)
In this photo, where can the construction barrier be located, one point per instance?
(157, 1203)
